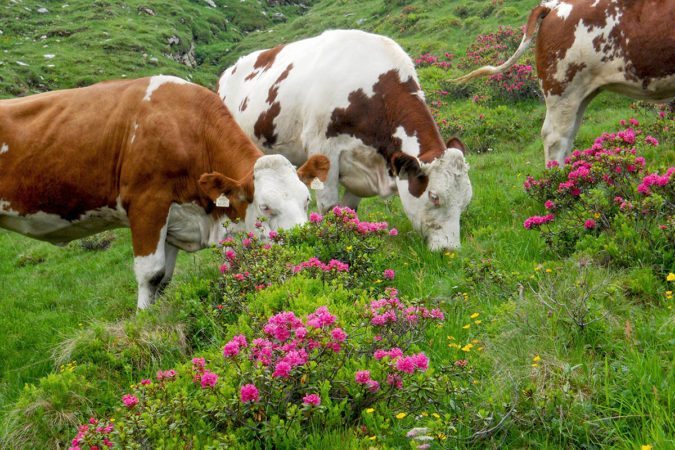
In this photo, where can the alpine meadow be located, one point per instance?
(550, 327)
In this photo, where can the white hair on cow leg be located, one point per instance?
(4, 148)
(158, 80)
(150, 271)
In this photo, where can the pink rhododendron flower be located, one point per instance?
(389, 274)
(282, 370)
(146, 382)
(549, 204)
(208, 379)
(230, 254)
(590, 224)
(362, 376)
(338, 334)
(421, 361)
(129, 400)
(651, 140)
(249, 393)
(406, 364)
(315, 217)
(393, 232)
(536, 221)
(231, 349)
(198, 362)
(312, 400)
(372, 385)
(274, 234)
(225, 267)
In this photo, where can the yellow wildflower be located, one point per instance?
(453, 345)
(646, 447)
(370, 410)
(372, 438)
(480, 349)
(477, 322)
(467, 326)
(475, 341)
(442, 437)
(467, 348)
(474, 315)
(536, 358)
(548, 271)
(596, 215)
(669, 295)
(535, 365)
(452, 338)
(401, 415)
(425, 414)
(670, 277)
(436, 415)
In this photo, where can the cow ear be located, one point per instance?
(215, 185)
(406, 166)
(316, 166)
(454, 142)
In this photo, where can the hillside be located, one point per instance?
(542, 346)
(46, 45)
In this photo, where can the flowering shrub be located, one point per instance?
(606, 202)
(297, 371)
(94, 434)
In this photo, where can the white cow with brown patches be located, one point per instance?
(159, 155)
(586, 46)
(355, 98)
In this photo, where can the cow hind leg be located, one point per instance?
(563, 119)
(560, 127)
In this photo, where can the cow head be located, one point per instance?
(275, 191)
(435, 194)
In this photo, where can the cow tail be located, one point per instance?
(536, 16)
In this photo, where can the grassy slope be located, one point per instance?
(105, 39)
(618, 374)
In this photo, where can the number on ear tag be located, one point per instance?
(222, 201)
(316, 184)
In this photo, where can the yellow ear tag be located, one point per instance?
(316, 184)
(222, 201)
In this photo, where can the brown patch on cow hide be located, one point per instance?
(243, 105)
(251, 75)
(274, 89)
(375, 119)
(266, 58)
(647, 39)
(264, 126)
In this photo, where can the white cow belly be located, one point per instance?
(56, 230)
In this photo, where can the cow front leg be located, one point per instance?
(148, 235)
(170, 255)
(351, 200)
(329, 196)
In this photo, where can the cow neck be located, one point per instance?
(229, 150)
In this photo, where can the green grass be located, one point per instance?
(611, 384)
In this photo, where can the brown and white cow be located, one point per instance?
(355, 98)
(159, 155)
(585, 46)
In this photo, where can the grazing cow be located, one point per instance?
(159, 155)
(585, 46)
(355, 98)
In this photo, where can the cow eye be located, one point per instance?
(434, 198)
(266, 209)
